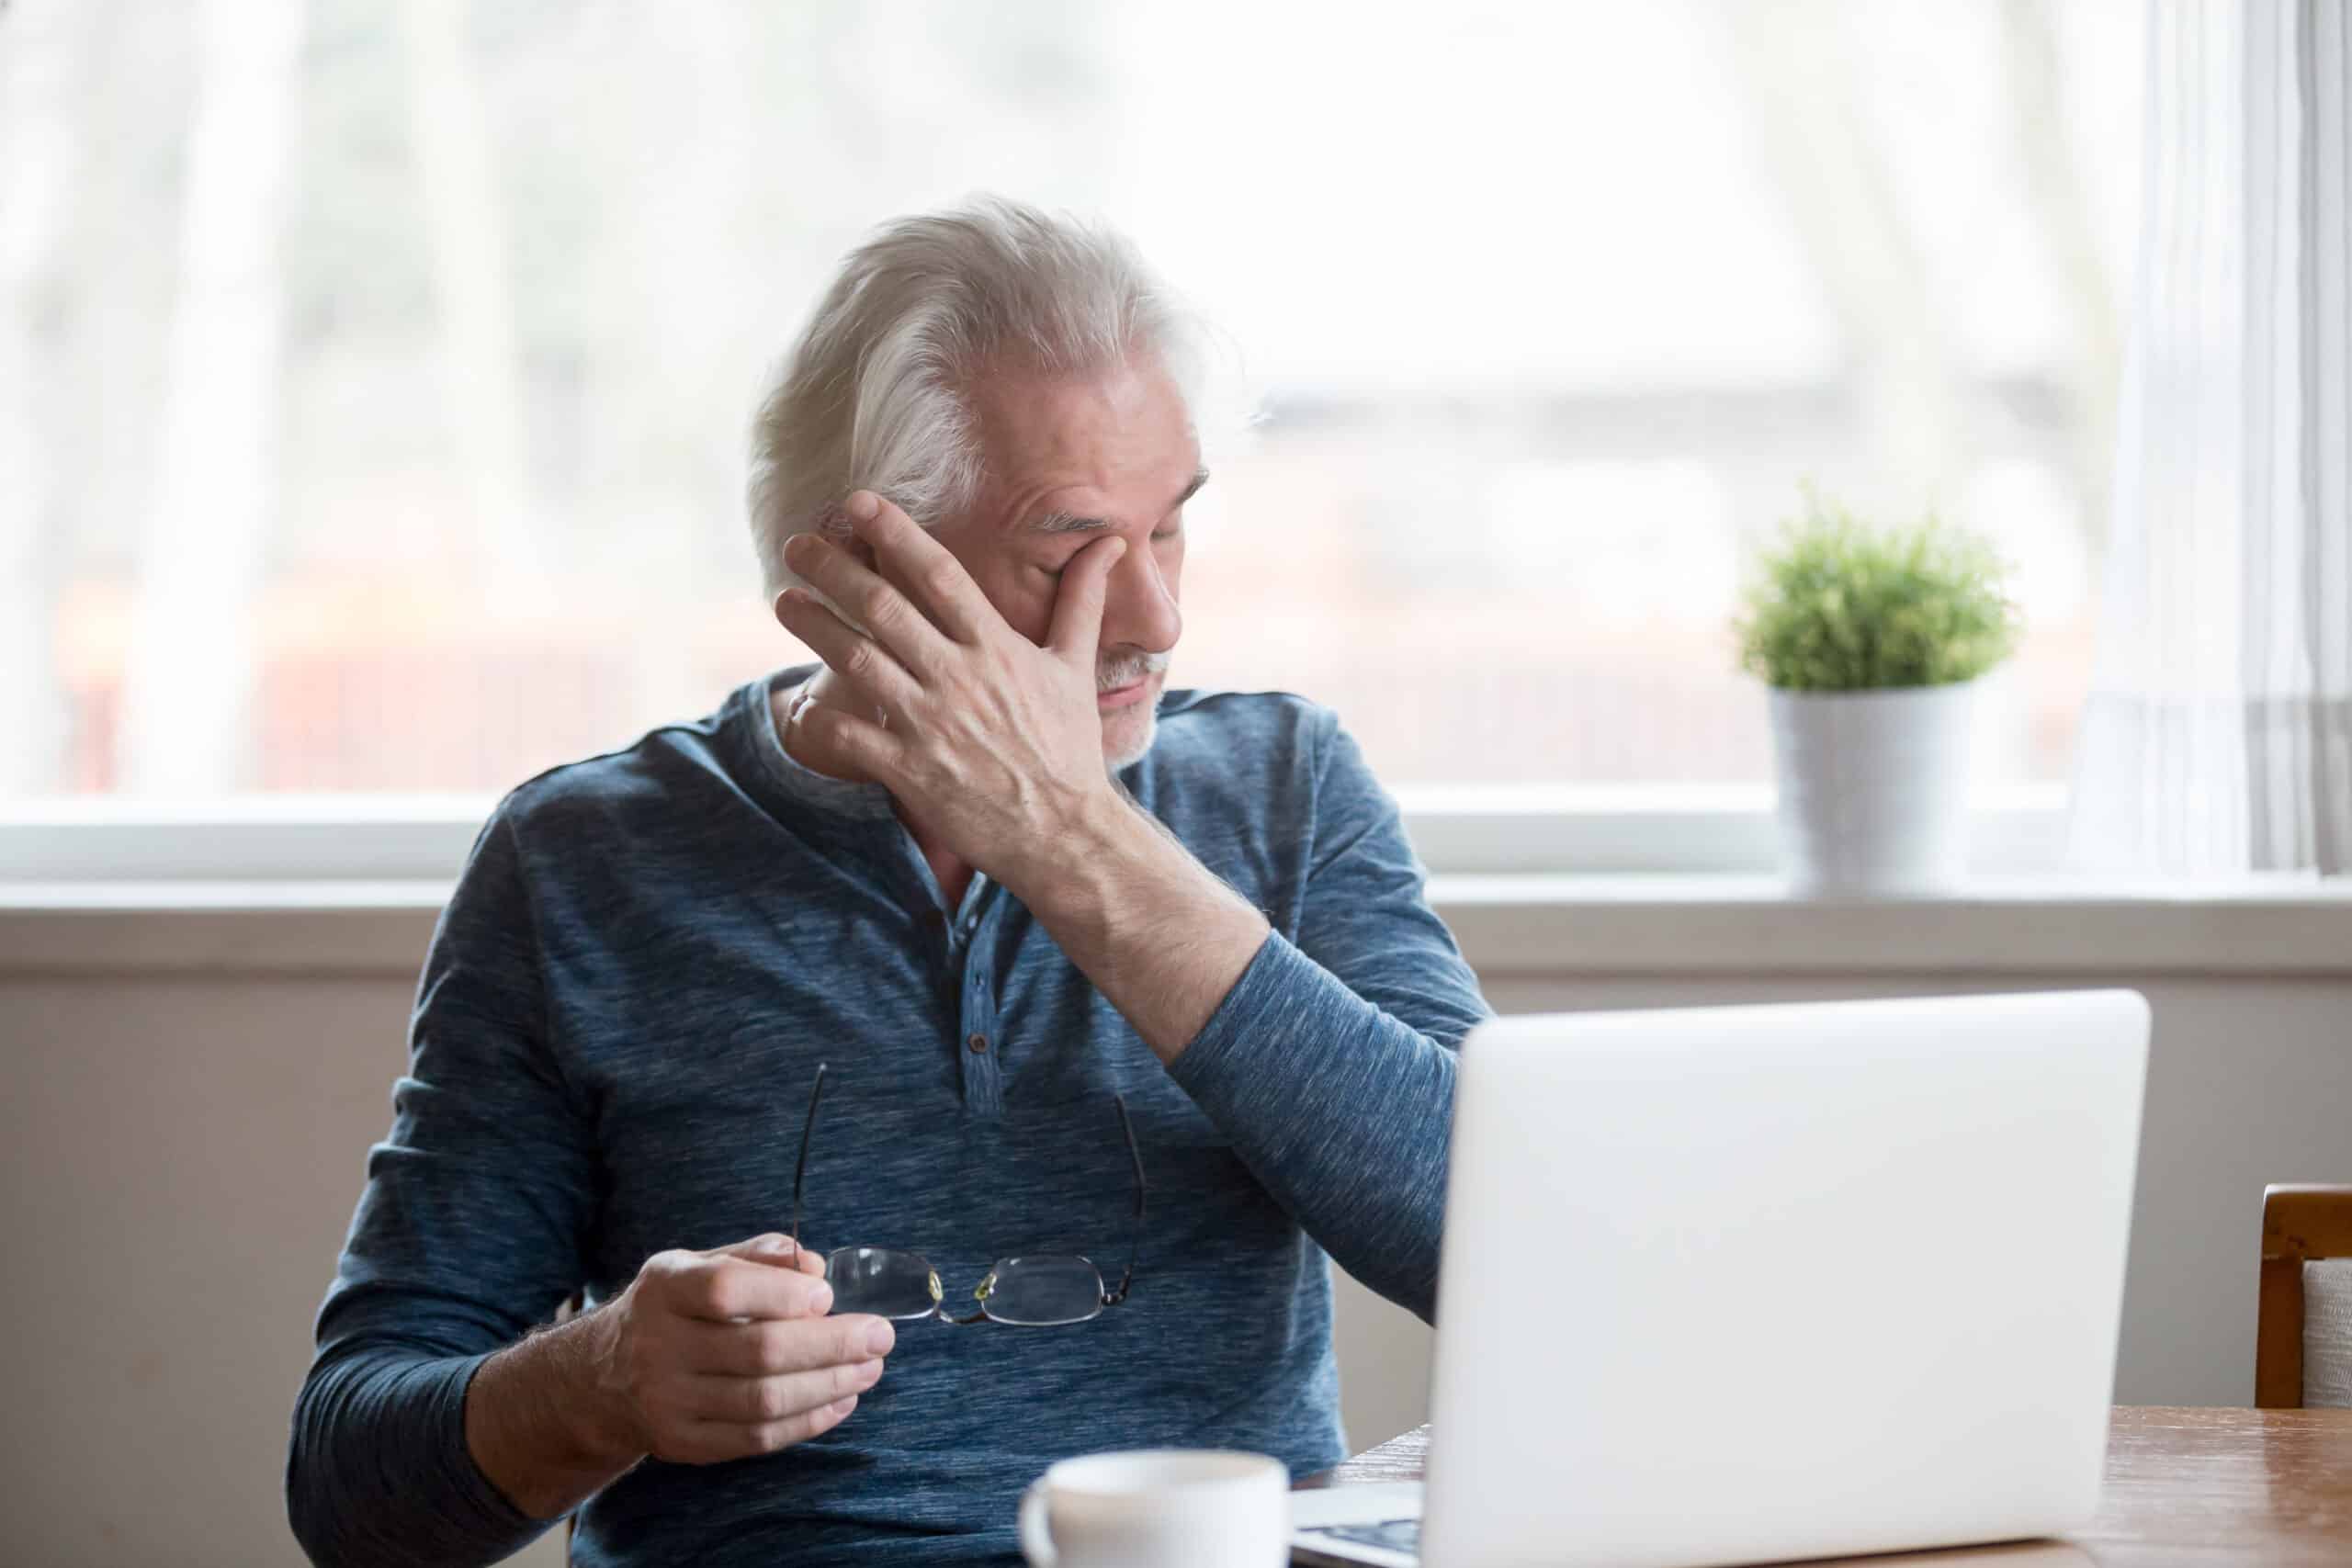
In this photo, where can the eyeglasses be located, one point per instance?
(1049, 1290)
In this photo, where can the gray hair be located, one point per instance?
(875, 393)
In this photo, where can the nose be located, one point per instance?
(1139, 604)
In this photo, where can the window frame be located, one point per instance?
(1458, 830)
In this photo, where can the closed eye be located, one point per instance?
(1173, 529)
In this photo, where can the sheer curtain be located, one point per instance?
(2218, 737)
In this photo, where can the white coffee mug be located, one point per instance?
(1159, 1508)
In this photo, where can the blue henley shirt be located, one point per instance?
(624, 1005)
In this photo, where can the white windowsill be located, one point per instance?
(1750, 924)
(1650, 880)
(1469, 830)
(1557, 925)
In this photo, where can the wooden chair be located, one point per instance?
(2300, 1225)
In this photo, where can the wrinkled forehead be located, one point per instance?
(1120, 439)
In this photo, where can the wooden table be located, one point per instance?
(2184, 1488)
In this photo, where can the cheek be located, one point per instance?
(1030, 612)
(1024, 600)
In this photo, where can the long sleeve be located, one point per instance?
(467, 1232)
(1330, 1062)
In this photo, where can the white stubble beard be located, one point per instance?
(1111, 674)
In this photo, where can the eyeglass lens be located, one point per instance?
(1041, 1292)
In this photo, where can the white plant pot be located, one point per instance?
(1873, 788)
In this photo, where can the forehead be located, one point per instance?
(1123, 435)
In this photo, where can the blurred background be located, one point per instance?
(374, 378)
(374, 388)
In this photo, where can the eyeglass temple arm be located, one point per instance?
(801, 1167)
(1134, 1237)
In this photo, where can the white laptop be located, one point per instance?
(1749, 1284)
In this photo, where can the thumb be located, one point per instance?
(1077, 609)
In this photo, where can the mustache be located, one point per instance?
(1127, 669)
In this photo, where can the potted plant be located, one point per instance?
(1872, 642)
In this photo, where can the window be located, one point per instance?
(373, 379)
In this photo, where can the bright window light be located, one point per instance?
(373, 379)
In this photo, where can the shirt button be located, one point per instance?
(979, 1043)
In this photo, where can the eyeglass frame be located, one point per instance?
(1111, 1297)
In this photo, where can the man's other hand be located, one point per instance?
(712, 1355)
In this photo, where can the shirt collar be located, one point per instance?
(794, 783)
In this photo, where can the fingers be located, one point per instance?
(922, 568)
(773, 1248)
(759, 1402)
(776, 1250)
(858, 659)
(728, 1353)
(766, 1348)
(708, 1442)
(865, 598)
(1078, 609)
(860, 743)
(720, 1288)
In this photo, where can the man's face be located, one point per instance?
(1069, 461)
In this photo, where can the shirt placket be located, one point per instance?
(972, 934)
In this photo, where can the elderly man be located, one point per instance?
(1040, 928)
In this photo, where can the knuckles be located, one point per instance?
(943, 580)
(774, 1351)
(678, 1279)
(770, 1402)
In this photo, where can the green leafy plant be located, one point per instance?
(1840, 607)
